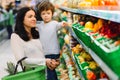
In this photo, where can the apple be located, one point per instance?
(82, 23)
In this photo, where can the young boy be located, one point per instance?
(48, 36)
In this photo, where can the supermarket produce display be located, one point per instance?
(95, 24)
(77, 64)
(103, 39)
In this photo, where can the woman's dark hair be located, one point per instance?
(46, 5)
(19, 26)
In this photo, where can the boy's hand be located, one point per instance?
(64, 24)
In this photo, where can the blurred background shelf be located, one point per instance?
(104, 14)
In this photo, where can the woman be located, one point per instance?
(25, 39)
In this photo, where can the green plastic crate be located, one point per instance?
(36, 74)
(82, 36)
(111, 58)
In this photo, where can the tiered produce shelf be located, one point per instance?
(73, 59)
(104, 67)
(104, 14)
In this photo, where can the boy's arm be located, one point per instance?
(64, 24)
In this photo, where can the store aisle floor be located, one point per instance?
(5, 56)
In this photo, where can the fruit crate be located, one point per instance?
(106, 44)
(113, 61)
(81, 66)
(33, 74)
(81, 34)
(111, 58)
(76, 58)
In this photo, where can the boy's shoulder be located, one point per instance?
(54, 21)
(39, 22)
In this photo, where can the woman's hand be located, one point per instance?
(48, 63)
(52, 63)
(55, 62)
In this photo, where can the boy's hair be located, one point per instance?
(46, 5)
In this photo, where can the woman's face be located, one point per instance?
(46, 16)
(30, 19)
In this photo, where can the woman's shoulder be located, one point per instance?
(15, 36)
(15, 39)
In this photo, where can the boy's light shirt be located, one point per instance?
(48, 36)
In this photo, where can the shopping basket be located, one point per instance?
(37, 73)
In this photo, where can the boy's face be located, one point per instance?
(46, 15)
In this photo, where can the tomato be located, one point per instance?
(90, 75)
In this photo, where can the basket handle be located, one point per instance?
(20, 62)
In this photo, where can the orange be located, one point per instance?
(100, 23)
(96, 27)
(95, 3)
(101, 3)
(111, 2)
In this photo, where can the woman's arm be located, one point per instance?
(17, 48)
